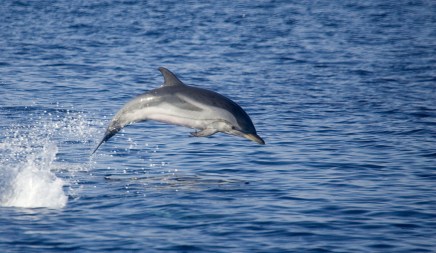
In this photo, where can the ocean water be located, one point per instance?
(343, 92)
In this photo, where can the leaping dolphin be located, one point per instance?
(180, 104)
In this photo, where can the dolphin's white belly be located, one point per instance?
(205, 117)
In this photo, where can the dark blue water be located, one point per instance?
(343, 92)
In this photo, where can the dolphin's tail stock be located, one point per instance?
(109, 133)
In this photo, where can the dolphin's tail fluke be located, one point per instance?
(107, 136)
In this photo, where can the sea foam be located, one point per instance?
(29, 165)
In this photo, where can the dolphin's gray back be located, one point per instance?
(206, 97)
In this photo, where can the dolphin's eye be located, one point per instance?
(233, 128)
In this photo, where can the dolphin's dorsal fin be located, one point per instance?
(169, 78)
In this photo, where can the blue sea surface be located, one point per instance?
(343, 93)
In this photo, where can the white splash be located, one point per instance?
(28, 165)
(35, 185)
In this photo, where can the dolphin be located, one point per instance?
(180, 104)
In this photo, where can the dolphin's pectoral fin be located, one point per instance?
(204, 133)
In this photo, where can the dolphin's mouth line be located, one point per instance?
(255, 138)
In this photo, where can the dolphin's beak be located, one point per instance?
(255, 138)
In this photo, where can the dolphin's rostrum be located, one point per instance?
(180, 104)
